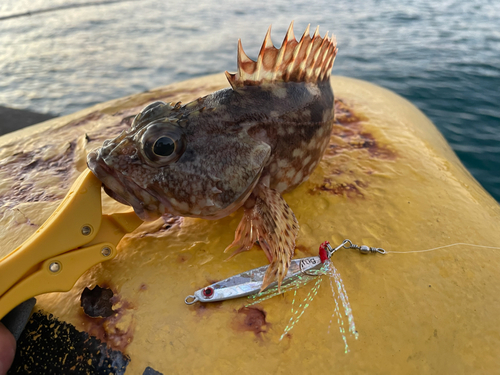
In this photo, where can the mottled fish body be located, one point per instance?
(241, 146)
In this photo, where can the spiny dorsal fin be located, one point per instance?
(309, 60)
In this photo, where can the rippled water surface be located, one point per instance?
(444, 56)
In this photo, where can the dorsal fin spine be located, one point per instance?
(316, 32)
(308, 41)
(317, 54)
(306, 33)
(297, 50)
(267, 44)
(313, 70)
(289, 33)
(328, 62)
(279, 61)
(322, 55)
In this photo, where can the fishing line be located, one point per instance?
(443, 247)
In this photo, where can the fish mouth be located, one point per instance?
(122, 189)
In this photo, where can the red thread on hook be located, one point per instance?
(323, 253)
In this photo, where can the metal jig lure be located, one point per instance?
(250, 282)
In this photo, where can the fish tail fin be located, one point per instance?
(309, 60)
(272, 223)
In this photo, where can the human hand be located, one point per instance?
(7, 349)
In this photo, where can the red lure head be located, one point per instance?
(323, 252)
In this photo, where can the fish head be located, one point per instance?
(170, 163)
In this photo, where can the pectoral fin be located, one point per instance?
(272, 223)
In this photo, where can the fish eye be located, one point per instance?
(162, 143)
(164, 146)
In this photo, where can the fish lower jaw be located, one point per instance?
(145, 206)
(124, 191)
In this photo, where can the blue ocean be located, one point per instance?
(59, 56)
